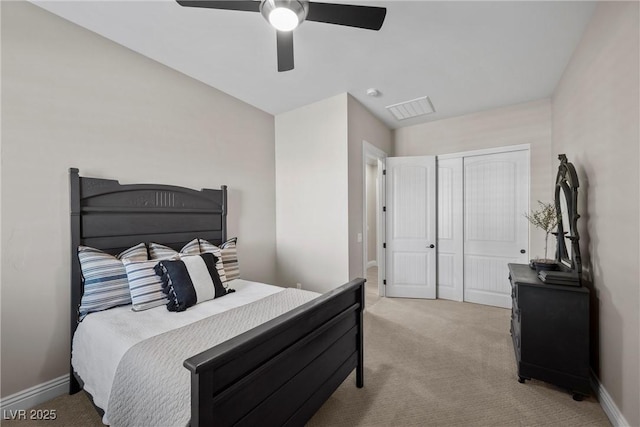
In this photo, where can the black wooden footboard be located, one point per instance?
(281, 372)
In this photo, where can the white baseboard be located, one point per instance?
(373, 263)
(36, 395)
(608, 405)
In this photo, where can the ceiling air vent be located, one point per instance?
(409, 109)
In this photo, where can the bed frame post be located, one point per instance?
(224, 212)
(201, 392)
(360, 367)
(76, 286)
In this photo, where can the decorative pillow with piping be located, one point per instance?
(228, 254)
(190, 280)
(105, 278)
(158, 251)
(145, 286)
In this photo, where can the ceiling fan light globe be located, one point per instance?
(284, 15)
(283, 19)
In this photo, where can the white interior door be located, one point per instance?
(450, 236)
(496, 195)
(380, 224)
(411, 227)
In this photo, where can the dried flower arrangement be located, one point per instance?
(545, 218)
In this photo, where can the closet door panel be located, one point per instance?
(450, 238)
(496, 194)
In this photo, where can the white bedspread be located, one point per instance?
(103, 338)
(152, 386)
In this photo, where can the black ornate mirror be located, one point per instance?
(566, 201)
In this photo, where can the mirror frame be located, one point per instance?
(567, 187)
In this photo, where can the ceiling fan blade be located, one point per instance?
(367, 17)
(285, 50)
(247, 6)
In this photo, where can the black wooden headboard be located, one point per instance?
(112, 217)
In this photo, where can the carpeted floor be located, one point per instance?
(427, 363)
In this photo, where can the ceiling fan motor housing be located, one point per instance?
(299, 7)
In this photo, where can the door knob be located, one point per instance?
(432, 246)
(522, 251)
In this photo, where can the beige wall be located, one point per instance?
(312, 196)
(363, 126)
(528, 123)
(319, 188)
(595, 122)
(72, 98)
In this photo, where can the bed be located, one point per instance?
(275, 373)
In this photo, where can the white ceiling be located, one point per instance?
(466, 56)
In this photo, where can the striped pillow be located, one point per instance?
(228, 254)
(105, 278)
(144, 285)
(190, 280)
(230, 259)
(208, 248)
(158, 251)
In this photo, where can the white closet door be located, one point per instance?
(450, 238)
(411, 227)
(496, 195)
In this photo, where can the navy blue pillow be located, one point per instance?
(190, 280)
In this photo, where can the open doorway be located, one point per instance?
(373, 221)
(371, 225)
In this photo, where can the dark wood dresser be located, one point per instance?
(550, 331)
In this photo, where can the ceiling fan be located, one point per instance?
(286, 15)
